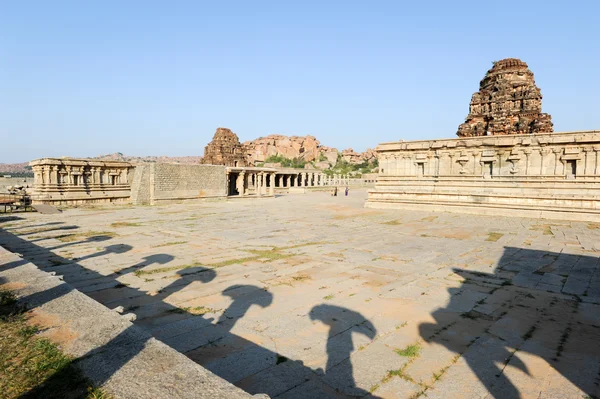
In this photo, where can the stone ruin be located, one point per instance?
(224, 149)
(508, 102)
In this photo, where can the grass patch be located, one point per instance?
(493, 236)
(301, 277)
(266, 256)
(196, 310)
(546, 229)
(199, 310)
(410, 351)
(374, 388)
(328, 297)
(393, 222)
(399, 326)
(124, 224)
(168, 244)
(32, 366)
(401, 372)
(429, 219)
(82, 236)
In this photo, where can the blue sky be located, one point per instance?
(86, 78)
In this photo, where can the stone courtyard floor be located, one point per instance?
(313, 296)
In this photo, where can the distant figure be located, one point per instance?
(335, 192)
(346, 191)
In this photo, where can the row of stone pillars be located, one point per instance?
(259, 183)
(308, 179)
(255, 182)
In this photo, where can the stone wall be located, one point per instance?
(140, 185)
(542, 175)
(178, 182)
(161, 182)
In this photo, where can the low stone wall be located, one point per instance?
(156, 183)
(554, 176)
(124, 360)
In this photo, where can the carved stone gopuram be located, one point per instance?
(224, 149)
(508, 102)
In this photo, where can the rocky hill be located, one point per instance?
(117, 156)
(15, 168)
(306, 148)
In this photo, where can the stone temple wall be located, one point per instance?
(178, 182)
(161, 182)
(535, 175)
(140, 185)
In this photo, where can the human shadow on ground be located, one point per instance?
(39, 230)
(535, 306)
(242, 302)
(5, 219)
(339, 345)
(192, 329)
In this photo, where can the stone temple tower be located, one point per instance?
(508, 102)
(224, 149)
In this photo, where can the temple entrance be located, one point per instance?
(571, 169)
(488, 169)
(231, 184)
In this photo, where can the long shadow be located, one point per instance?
(339, 321)
(535, 303)
(21, 227)
(192, 331)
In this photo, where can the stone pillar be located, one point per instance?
(556, 152)
(46, 172)
(123, 176)
(265, 178)
(597, 164)
(304, 176)
(272, 183)
(320, 179)
(451, 155)
(69, 175)
(587, 159)
(241, 183)
(527, 155)
(54, 175)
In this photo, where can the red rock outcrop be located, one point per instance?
(224, 149)
(508, 102)
(306, 148)
(358, 157)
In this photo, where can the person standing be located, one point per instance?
(346, 191)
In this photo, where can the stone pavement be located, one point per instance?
(306, 296)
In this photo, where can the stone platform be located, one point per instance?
(314, 296)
